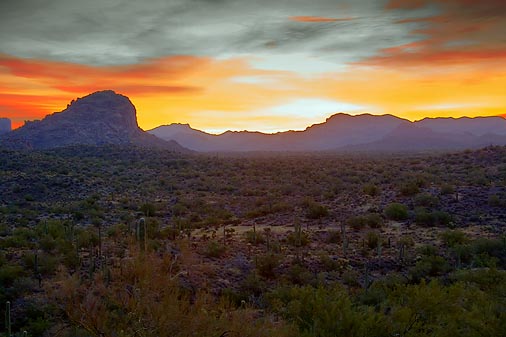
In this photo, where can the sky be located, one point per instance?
(263, 65)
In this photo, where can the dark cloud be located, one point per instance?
(116, 32)
(109, 32)
(462, 32)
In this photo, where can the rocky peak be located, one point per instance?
(103, 108)
(103, 117)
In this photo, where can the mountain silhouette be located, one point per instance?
(5, 125)
(103, 117)
(345, 132)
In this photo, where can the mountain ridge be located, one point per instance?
(345, 132)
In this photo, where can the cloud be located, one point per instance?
(216, 94)
(317, 19)
(461, 32)
(121, 32)
(206, 61)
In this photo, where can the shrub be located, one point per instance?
(214, 249)
(429, 266)
(254, 237)
(266, 264)
(299, 275)
(396, 211)
(452, 238)
(357, 222)
(430, 219)
(373, 220)
(409, 189)
(371, 189)
(447, 189)
(495, 201)
(303, 240)
(333, 236)
(442, 218)
(428, 250)
(426, 200)
(316, 211)
(406, 241)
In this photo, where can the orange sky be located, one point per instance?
(455, 66)
(212, 94)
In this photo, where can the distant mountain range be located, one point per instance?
(351, 133)
(106, 117)
(103, 117)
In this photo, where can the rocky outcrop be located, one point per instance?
(103, 117)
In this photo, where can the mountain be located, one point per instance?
(5, 125)
(103, 117)
(351, 133)
(337, 131)
(477, 126)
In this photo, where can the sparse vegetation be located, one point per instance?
(96, 242)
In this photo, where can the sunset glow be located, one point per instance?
(438, 58)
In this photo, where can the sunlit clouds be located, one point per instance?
(228, 65)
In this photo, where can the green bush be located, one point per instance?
(426, 218)
(429, 266)
(266, 264)
(451, 238)
(254, 237)
(371, 189)
(396, 211)
(447, 189)
(316, 211)
(409, 189)
(373, 220)
(426, 200)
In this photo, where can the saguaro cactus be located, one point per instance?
(401, 253)
(345, 241)
(141, 234)
(267, 232)
(8, 327)
(366, 277)
(36, 271)
(298, 238)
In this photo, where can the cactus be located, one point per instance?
(36, 271)
(268, 237)
(345, 241)
(366, 277)
(401, 253)
(379, 247)
(99, 240)
(36, 263)
(8, 327)
(298, 238)
(141, 234)
(91, 269)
